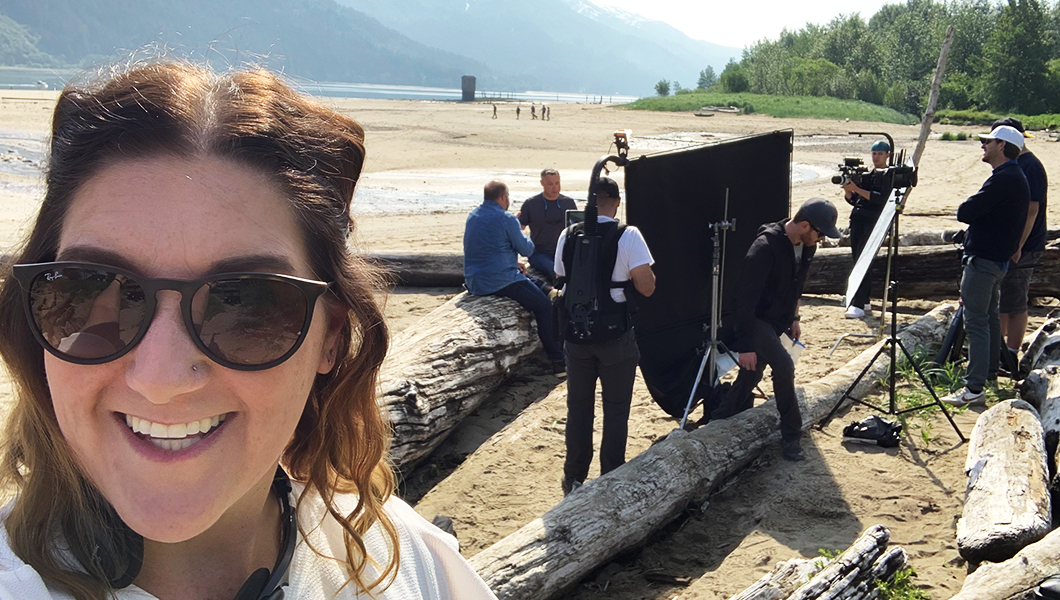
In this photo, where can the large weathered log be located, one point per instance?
(996, 581)
(1007, 503)
(922, 272)
(440, 370)
(556, 550)
(423, 270)
(1042, 347)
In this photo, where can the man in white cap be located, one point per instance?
(995, 215)
(770, 283)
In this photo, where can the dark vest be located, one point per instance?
(591, 315)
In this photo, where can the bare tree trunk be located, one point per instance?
(1007, 502)
(440, 370)
(558, 549)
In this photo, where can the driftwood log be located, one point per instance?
(558, 549)
(923, 271)
(440, 371)
(1006, 504)
(851, 576)
(1015, 576)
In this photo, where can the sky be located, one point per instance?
(740, 23)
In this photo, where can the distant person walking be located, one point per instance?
(548, 114)
(517, 110)
(533, 112)
(494, 111)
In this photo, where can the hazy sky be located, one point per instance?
(740, 23)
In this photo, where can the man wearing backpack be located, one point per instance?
(607, 350)
(771, 279)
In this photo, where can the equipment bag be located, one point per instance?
(590, 315)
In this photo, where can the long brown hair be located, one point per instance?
(315, 155)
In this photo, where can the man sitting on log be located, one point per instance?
(545, 215)
(493, 242)
(610, 353)
(767, 305)
(995, 215)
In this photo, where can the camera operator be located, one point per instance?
(996, 216)
(771, 280)
(868, 200)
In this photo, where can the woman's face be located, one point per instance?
(179, 218)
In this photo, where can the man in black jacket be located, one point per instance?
(995, 216)
(767, 305)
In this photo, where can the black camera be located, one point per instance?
(850, 171)
(900, 175)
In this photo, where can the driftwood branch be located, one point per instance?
(558, 549)
(439, 371)
(1007, 502)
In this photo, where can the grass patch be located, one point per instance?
(812, 107)
(901, 587)
(949, 136)
(985, 119)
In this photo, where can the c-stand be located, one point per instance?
(711, 347)
(893, 343)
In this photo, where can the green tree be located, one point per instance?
(662, 88)
(707, 78)
(1014, 59)
(734, 78)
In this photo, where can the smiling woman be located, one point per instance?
(196, 352)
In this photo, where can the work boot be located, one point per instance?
(559, 368)
(569, 484)
(792, 450)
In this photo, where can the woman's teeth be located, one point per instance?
(173, 437)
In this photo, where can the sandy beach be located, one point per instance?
(427, 163)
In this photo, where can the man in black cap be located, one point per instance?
(1016, 283)
(767, 306)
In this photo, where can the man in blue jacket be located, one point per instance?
(493, 241)
(995, 215)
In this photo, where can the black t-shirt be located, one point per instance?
(996, 214)
(1039, 184)
(545, 218)
(867, 210)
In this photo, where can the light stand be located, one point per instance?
(891, 345)
(711, 349)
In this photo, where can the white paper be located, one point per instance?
(794, 347)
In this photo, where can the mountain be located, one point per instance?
(566, 45)
(314, 39)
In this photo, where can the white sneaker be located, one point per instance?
(965, 397)
(854, 313)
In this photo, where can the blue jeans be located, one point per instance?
(545, 263)
(528, 293)
(980, 292)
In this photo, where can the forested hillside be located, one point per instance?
(316, 39)
(1005, 57)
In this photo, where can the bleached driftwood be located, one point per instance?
(423, 270)
(1013, 577)
(556, 550)
(784, 579)
(1007, 503)
(853, 573)
(1043, 347)
(439, 371)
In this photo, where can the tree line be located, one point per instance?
(1005, 57)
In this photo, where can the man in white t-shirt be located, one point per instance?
(612, 357)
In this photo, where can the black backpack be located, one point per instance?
(589, 315)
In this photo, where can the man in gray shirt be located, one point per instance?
(544, 214)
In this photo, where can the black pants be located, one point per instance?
(770, 352)
(528, 292)
(615, 365)
(859, 235)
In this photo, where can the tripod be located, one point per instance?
(891, 345)
(713, 347)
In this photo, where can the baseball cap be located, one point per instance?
(608, 187)
(881, 146)
(822, 214)
(1006, 133)
(1011, 122)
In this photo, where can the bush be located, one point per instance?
(947, 136)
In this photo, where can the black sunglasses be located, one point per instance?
(91, 314)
